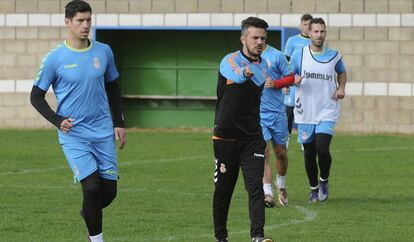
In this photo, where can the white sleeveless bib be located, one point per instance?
(314, 98)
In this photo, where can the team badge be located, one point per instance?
(223, 168)
(96, 63)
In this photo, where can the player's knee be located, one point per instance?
(281, 155)
(92, 192)
(324, 150)
(108, 198)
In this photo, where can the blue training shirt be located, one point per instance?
(233, 65)
(78, 77)
(272, 99)
(324, 56)
(293, 44)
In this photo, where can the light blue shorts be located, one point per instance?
(306, 132)
(274, 127)
(84, 158)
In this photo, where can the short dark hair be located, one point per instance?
(316, 21)
(253, 22)
(306, 17)
(76, 6)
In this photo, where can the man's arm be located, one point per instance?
(340, 92)
(37, 99)
(115, 104)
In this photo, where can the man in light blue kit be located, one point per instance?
(293, 44)
(83, 76)
(274, 127)
(317, 107)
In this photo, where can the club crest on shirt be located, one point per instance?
(96, 63)
(223, 168)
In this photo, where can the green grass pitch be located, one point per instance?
(166, 185)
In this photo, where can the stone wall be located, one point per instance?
(375, 38)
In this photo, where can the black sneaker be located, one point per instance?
(261, 239)
(222, 240)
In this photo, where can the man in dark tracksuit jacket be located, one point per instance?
(237, 137)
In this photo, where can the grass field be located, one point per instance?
(165, 192)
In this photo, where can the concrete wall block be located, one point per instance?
(355, 33)
(119, 6)
(354, 89)
(407, 20)
(27, 33)
(323, 6)
(222, 19)
(16, 72)
(14, 123)
(406, 103)
(376, 6)
(399, 116)
(50, 6)
(176, 19)
(49, 33)
(209, 6)
(352, 6)
(375, 89)
(340, 20)
(239, 17)
(389, 20)
(376, 61)
(16, 99)
(291, 20)
(375, 116)
(7, 6)
(2, 20)
(401, 6)
(24, 86)
(362, 128)
(198, 19)
(346, 103)
(130, 20)
(363, 103)
(364, 20)
(6, 86)
(386, 128)
(39, 19)
(140, 6)
(363, 47)
(37, 123)
(406, 75)
(279, 6)
(332, 33)
(388, 103)
(7, 113)
(163, 6)
(353, 60)
(153, 19)
(376, 33)
(399, 89)
(57, 20)
(186, 6)
(272, 19)
(232, 6)
(27, 60)
(27, 112)
(303, 6)
(38, 46)
(16, 20)
(98, 6)
(15, 46)
(387, 47)
(406, 129)
(407, 48)
(255, 6)
(106, 19)
(25, 6)
(344, 47)
(402, 62)
(401, 33)
(8, 59)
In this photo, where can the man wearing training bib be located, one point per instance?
(317, 105)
